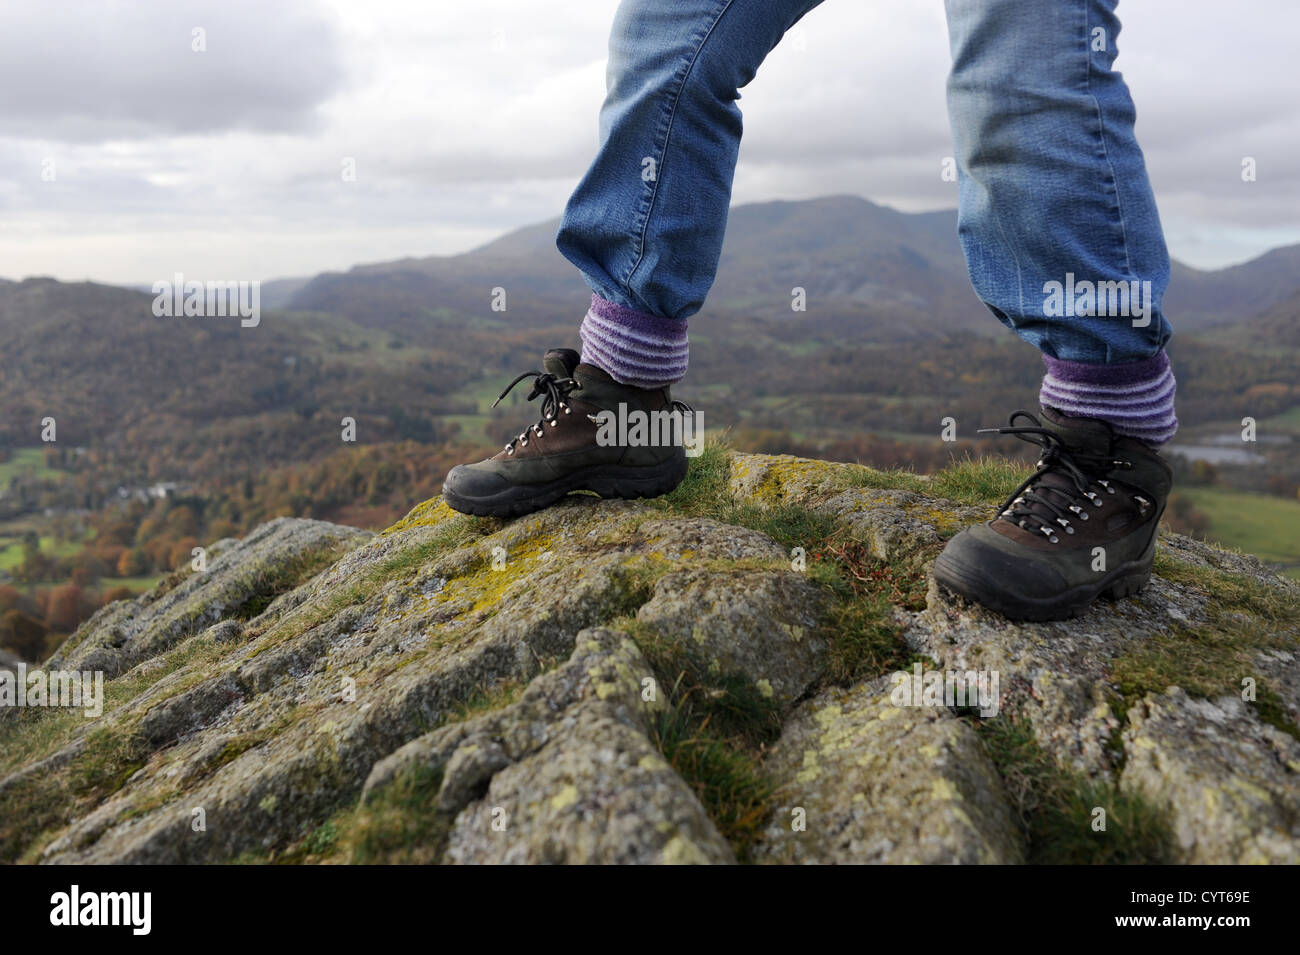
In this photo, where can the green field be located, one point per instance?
(1288, 421)
(11, 550)
(1268, 527)
(30, 461)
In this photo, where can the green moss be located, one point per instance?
(286, 576)
(33, 809)
(1056, 807)
(724, 774)
(711, 730)
(38, 732)
(402, 824)
(481, 585)
(1212, 659)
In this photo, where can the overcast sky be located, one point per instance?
(126, 156)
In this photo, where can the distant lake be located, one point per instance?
(1215, 454)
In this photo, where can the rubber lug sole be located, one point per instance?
(628, 483)
(1124, 581)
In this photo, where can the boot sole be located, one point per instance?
(1125, 581)
(609, 482)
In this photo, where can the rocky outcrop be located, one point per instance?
(700, 679)
(865, 780)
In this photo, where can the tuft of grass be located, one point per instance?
(1212, 659)
(286, 577)
(983, 480)
(400, 826)
(34, 807)
(485, 699)
(705, 483)
(864, 638)
(722, 770)
(712, 732)
(727, 781)
(1056, 806)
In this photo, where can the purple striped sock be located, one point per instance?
(1135, 398)
(634, 348)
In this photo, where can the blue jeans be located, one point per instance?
(1053, 190)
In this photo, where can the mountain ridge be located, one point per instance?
(873, 249)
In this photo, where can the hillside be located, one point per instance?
(663, 681)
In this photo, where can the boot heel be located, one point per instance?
(1127, 586)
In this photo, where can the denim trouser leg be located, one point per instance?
(646, 222)
(1052, 182)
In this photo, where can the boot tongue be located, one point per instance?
(560, 362)
(1088, 437)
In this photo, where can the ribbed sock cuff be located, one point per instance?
(634, 348)
(1134, 398)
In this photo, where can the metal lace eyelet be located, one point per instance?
(1082, 514)
(510, 451)
(1106, 485)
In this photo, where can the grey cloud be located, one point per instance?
(92, 72)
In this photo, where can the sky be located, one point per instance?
(128, 154)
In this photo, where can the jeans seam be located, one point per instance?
(1101, 136)
(667, 137)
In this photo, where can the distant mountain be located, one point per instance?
(868, 272)
(1198, 298)
(862, 265)
(1275, 329)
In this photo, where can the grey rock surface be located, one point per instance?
(266, 704)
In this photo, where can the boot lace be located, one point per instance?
(553, 390)
(1050, 507)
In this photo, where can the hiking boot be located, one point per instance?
(1082, 526)
(560, 453)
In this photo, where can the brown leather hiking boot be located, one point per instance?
(569, 450)
(1083, 525)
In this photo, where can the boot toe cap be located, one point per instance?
(981, 565)
(473, 481)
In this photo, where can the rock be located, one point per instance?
(1201, 760)
(279, 696)
(268, 560)
(899, 525)
(880, 783)
(1057, 672)
(568, 775)
(762, 625)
